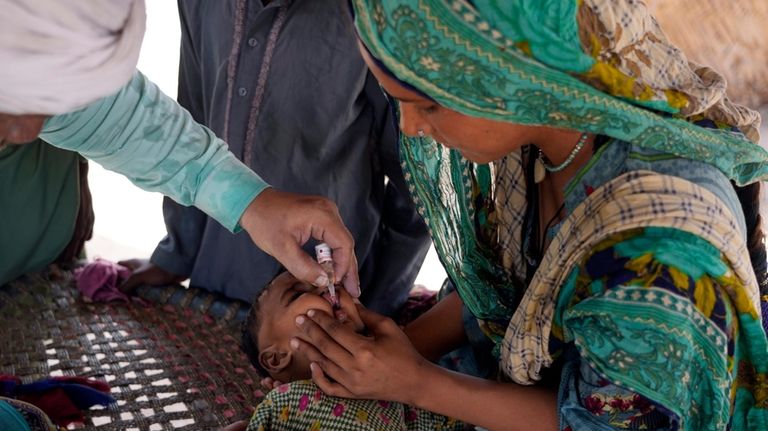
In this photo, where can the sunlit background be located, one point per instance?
(129, 221)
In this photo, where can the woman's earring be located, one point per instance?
(420, 132)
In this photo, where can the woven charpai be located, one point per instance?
(171, 367)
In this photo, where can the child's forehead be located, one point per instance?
(282, 280)
(278, 284)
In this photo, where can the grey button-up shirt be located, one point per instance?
(285, 86)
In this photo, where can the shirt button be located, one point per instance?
(252, 42)
(242, 91)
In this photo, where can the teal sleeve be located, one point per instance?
(145, 135)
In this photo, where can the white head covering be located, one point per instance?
(59, 55)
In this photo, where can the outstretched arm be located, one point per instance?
(146, 136)
(440, 330)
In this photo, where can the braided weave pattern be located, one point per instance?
(174, 364)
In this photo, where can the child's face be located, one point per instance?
(287, 297)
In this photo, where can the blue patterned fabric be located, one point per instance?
(644, 313)
(617, 303)
(764, 305)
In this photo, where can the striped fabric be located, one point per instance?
(633, 200)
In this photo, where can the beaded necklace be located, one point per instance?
(542, 167)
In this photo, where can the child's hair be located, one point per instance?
(250, 334)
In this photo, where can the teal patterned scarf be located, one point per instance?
(597, 66)
(601, 66)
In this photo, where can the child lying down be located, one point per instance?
(299, 404)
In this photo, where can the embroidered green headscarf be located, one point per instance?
(598, 66)
(601, 66)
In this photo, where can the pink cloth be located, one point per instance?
(99, 280)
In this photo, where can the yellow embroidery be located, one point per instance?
(285, 414)
(362, 416)
(618, 83)
(524, 46)
(678, 278)
(738, 293)
(639, 265)
(704, 295)
(676, 99)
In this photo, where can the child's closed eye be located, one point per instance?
(295, 295)
(299, 289)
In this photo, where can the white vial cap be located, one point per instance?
(323, 252)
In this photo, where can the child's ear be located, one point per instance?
(274, 360)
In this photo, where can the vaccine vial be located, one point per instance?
(324, 256)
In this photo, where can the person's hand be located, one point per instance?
(20, 129)
(269, 383)
(236, 426)
(280, 223)
(384, 366)
(145, 272)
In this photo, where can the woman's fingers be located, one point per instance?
(351, 364)
(329, 367)
(325, 334)
(328, 386)
(331, 378)
(336, 350)
(376, 322)
(336, 330)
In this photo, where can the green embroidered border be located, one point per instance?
(667, 321)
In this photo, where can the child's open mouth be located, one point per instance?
(338, 312)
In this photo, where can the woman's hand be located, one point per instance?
(384, 366)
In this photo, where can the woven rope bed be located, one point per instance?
(173, 365)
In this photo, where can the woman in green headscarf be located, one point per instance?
(587, 202)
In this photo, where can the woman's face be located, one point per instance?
(479, 140)
(20, 129)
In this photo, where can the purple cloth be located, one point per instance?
(99, 280)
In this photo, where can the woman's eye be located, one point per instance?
(431, 109)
